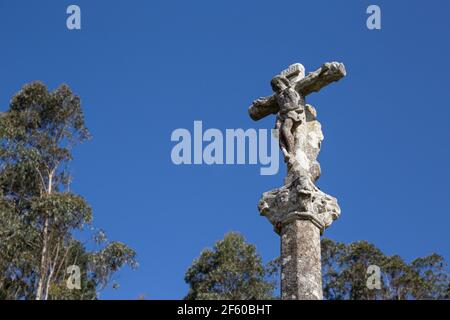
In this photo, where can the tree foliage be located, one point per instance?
(345, 274)
(232, 270)
(38, 213)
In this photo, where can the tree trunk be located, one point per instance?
(40, 294)
(40, 290)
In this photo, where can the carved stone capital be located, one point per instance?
(299, 200)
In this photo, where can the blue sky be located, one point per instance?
(145, 68)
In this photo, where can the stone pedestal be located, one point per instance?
(301, 275)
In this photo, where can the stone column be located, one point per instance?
(301, 275)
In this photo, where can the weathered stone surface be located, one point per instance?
(313, 82)
(329, 72)
(299, 210)
(299, 200)
(300, 194)
(300, 265)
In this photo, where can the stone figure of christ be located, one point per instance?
(291, 114)
(288, 101)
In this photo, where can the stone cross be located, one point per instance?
(299, 210)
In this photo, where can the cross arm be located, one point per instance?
(326, 74)
(263, 107)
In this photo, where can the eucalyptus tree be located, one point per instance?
(232, 270)
(38, 212)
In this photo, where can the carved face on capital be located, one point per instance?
(279, 83)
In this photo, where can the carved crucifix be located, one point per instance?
(290, 89)
(299, 210)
